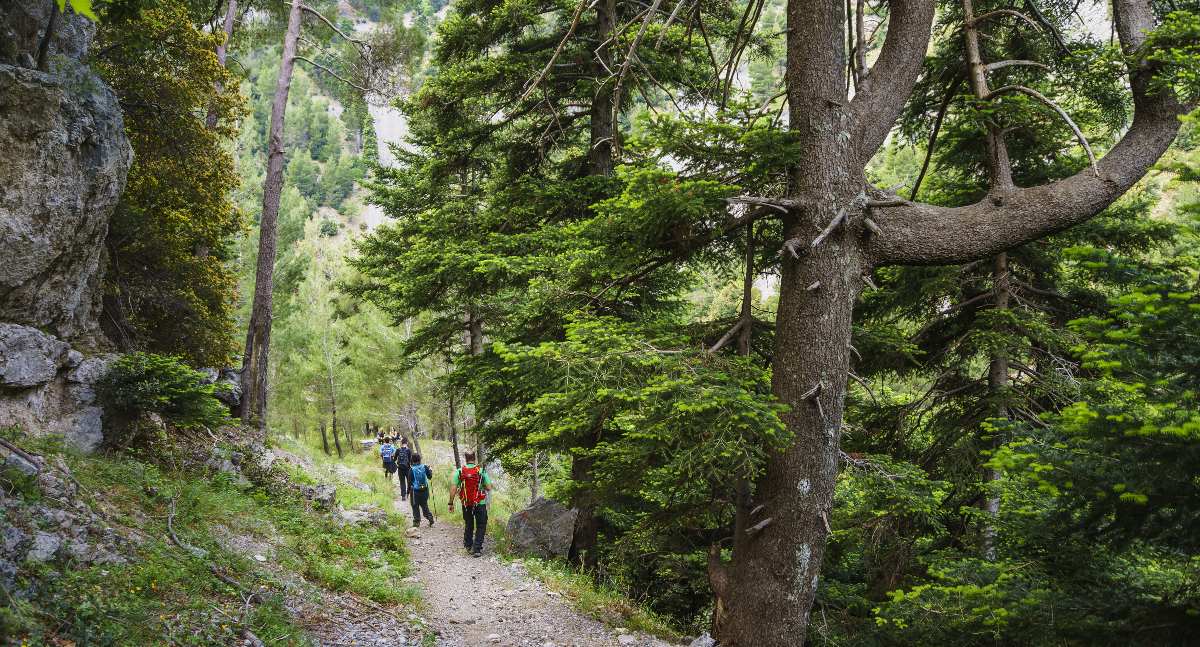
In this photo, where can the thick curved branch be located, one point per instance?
(919, 234)
(1054, 106)
(888, 84)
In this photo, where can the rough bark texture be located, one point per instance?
(764, 596)
(255, 363)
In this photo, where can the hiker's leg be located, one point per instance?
(480, 526)
(468, 525)
(402, 475)
(416, 511)
(424, 502)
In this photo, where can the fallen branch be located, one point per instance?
(196, 552)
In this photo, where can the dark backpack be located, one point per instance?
(403, 456)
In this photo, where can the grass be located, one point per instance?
(168, 596)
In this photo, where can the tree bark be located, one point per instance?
(324, 439)
(997, 384)
(258, 337)
(602, 139)
(587, 527)
(230, 13)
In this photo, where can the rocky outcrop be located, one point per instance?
(63, 168)
(65, 158)
(47, 388)
(543, 529)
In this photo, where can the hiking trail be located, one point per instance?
(483, 601)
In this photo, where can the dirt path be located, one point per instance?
(482, 601)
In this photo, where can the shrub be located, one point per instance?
(141, 383)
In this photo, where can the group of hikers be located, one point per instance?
(470, 485)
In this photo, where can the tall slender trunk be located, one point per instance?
(324, 439)
(602, 142)
(230, 13)
(534, 482)
(258, 335)
(454, 433)
(763, 598)
(997, 384)
(414, 424)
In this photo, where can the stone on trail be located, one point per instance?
(704, 640)
(544, 529)
(412, 532)
(626, 639)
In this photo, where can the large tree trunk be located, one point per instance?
(230, 14)
(765, 595)
(587, 526)
(258, 337)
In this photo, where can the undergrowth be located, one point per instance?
(266, 538)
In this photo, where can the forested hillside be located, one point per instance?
(775, 321)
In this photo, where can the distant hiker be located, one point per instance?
(471, 485)
(403, 462)
(387, 451)
(419, 477)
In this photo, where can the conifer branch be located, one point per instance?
(1061, 113)
(332, 26)
(979, 20)
(557, 50)
(331, 73)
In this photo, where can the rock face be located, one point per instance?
(47, 388)
(63, 167)
(543, 529)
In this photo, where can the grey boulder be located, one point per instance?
(544, 529)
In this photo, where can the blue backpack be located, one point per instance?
(387, 450)
(420, 474)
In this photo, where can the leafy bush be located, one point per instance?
(141, 383)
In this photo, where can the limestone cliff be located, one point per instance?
(63, 161)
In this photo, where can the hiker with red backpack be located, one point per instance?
(471, 486)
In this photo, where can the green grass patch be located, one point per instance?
(599, 602)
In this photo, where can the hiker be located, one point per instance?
(419, 477)
(387, 451)
(403, 462)
(472, 484)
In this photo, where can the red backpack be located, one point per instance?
(471, 486)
